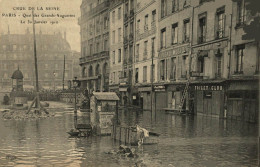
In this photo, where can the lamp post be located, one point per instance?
(76, 84)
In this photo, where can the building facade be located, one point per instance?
(126, 79)
(94, 31)
(146, 55)
(116, 43)
(16, 50)
(174, 43)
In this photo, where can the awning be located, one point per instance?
(106, 96)
(243, 85)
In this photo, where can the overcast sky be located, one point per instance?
(70, 25)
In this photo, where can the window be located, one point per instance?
(114, 36)
(173, 68)
(138, 24)
(105, 23)
(130, 53)
(126, 31)
(106, 45)
(175, 33)
(202, 29)
(241, 12)
(114, 57)
(146, 22)
(119, 13)
(218, 73)
(119, 35)
(91, 49)
(126, 8)
(153, 39)
(113, 17)
(131, 28)
(136, 75)
(145, 74)
(114, 77)
(162, 71)
(153, 16)
(137, 53)
(186, 30)
(163, 8)
(174, 5)
(98, 47)
(220, 23)
(201, 64)
(145, 50)
(239, 58)
(183, 67)
(163, 38)
(119, 55)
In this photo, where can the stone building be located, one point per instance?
(242, 92)
(174, 43)
(94, 31)
(146, 55)
(125, 81)
(116, 43)
(16, 50)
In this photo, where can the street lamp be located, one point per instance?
(76, 84)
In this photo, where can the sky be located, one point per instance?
(8, 8)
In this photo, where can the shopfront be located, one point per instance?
(160, 96)
(174, 94)
(145, 94)
(209, 98)
(242, 100)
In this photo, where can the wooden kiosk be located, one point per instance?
(103, 109)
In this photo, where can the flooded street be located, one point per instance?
(184, 141)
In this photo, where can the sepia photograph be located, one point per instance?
(129, 83)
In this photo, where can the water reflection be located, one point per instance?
(184, 141)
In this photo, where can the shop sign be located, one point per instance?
(174, 52)
(195, 74)
(213, 87)
(160, 88)
(144, 89)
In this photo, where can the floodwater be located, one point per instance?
(184, 141)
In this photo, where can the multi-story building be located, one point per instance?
(125, 80)
(146, 55)
(242, 92)
(94, 30)
(16, 50)
(210, 56)
(116, 43)
(174, 43)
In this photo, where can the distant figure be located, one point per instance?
(6, 99)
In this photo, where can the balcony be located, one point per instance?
(95, 56)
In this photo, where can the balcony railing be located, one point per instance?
(123, 80)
